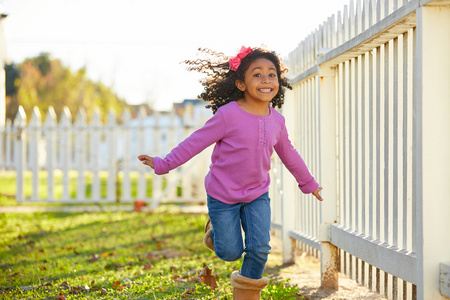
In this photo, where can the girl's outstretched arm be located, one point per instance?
(146, 160)
(317, 195)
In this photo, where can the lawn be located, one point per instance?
(8, 186)
(114, 255)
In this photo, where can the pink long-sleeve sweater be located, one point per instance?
(240, 162)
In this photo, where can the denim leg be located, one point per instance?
(226, 233)
(256, 220)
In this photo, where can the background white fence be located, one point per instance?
(72, 157)
(369, 112)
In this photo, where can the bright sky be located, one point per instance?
(136, 46)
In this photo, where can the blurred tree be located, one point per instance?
(44, 82)
(12, 76)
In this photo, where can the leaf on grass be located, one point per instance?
(48, 284)
(104, 292)
(114, 266)
(93, 258)
(117, 283)
(177, 278)
(207, 277)
(139, 246)
(152, 256)
(174, 269)
(64, 285)
(61, 298)
(148, 266)
(195, 279)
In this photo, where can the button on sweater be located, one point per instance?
(240, 161)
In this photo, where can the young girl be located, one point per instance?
(242, 93)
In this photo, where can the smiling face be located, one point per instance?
(261, 82)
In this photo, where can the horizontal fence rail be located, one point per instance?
(358, 122)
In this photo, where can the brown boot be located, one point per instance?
(207, 240)
(246, 288)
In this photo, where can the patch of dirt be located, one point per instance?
(305, 272)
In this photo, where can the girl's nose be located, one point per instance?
(266, 78)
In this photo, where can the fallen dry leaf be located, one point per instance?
(117, 283)
(93, 258)
(103, 292)
(207, 277)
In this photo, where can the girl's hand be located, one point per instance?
(146, 160)
(317, 195)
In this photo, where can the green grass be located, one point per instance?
(8, 186)
(126, 255)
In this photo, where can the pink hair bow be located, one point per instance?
(236, 61)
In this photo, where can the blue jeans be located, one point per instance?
(226, 220)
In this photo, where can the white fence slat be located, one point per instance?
(50, 140)
(126, 195)
(172, 133)
(346, 25)
(80, 155)
(358, 18)
(352, 20)
(94, 154)
(111, 161)
(65, 137)
(141, 138)
(339, 31)
(34, 151)
(156, 151)
(20, 141)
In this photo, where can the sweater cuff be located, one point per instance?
(160, 166)
(310, 187)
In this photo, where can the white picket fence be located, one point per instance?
(369, 112)
(75, 156)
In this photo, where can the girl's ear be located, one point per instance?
(240, 85)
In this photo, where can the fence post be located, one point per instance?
(327, 110)
(20, 149)
(432, 145)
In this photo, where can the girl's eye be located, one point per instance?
(257, 75)
(273, 75)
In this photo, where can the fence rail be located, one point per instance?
(365, 99)
(95, 162)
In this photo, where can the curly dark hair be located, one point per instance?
(219, 84)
